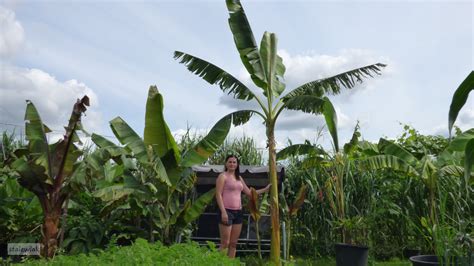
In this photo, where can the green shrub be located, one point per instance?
(144, 253)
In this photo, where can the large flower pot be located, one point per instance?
(350, 255)
(425, 260)
(422, 260)
(410, 252)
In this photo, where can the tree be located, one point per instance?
(266, 70)
(50, 171)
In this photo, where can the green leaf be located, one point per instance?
(113, 193)
(459, 99)
(104, 143)
(390, 148)
(333, 85)
(469, 161)
(32, 177)
(199, 206)
(306, 103)
(459, 143)
(331, 121)
(214, 139)
(379, 162)
(128, 137)
(157, 134)
(215, 75)
(298, 150)
(273, 66)
(353, 143)
(245, 42)
(36, 136)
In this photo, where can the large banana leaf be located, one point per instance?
(272, 64)
(306, 103)
(113, 193)
(459, 99)
(36, 135)
(331, 121)
(33, 177)
(128, 137)
(215, 75)
(297, 150)
(198, 207)
(157, 133)
(106, 144)
(390, 148)
(316, 105)
(245, 42)
(459, 143)
(469, 161)
(379, 162)
(332, 85)
(214, 139)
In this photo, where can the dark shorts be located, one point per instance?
(235, 217)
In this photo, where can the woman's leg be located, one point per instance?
(234, 236)
(224, 232)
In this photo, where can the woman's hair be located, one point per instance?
(237, 170)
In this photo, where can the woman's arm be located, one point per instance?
(219, 188)
(263, 190)
(246, 189)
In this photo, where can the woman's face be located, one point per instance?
(231, 163)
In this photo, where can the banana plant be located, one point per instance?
(289, 212)
(154, 173)
(459, 99)
(267, 71)
(50, 171)
(256, 210)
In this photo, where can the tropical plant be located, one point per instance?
(459, 99)
(50, 170)
(266, 70)
(156, 175)
(289, 211)
(256, 209)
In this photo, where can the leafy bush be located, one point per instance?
(144, 253)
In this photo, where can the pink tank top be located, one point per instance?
(231, 193)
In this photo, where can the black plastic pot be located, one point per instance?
(425, 260)
(410, 252)
(422, 260)
(350, 255)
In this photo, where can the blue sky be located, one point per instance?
(55, 51)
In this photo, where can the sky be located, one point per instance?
(53, 52)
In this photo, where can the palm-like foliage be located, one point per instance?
(266, 70)
(459, 99)
(50, 171)
(152, 172)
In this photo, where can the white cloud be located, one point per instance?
(53, 99)
(11, 33)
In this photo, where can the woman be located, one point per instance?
(229, 186)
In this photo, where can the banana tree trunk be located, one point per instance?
(50, 233)
(275, 211)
